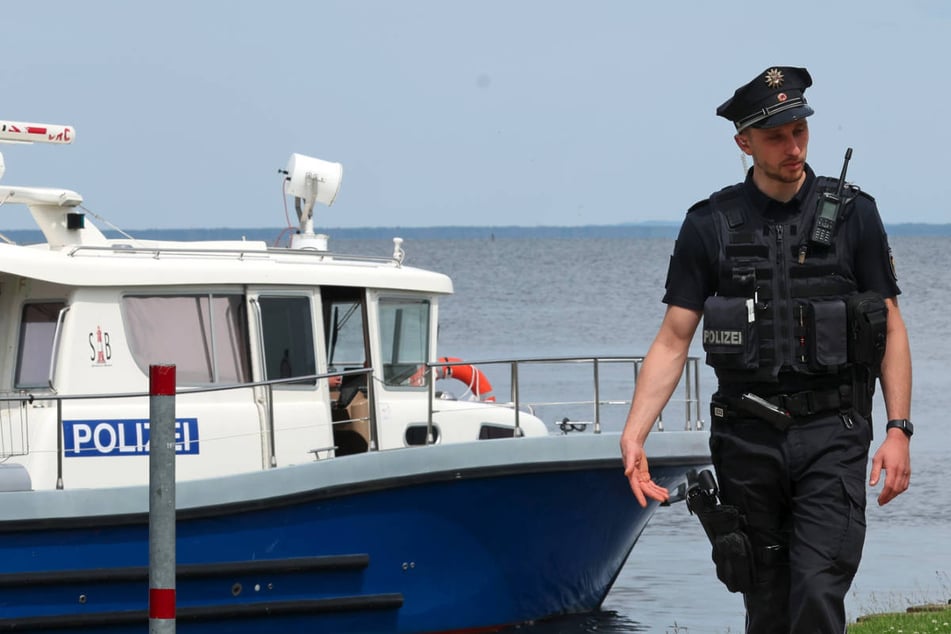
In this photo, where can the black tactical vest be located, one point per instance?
(781, 300)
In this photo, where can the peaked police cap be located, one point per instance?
(772, 98)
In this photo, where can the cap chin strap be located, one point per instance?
(767, 112)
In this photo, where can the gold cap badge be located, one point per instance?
(774, 78)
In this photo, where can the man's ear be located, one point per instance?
(743, 142)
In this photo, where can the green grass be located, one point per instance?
(907, 612)
(924, 619)
(916, 622)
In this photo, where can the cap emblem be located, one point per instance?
(781, 97)
(774, 78)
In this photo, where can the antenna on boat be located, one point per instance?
(17, 132)
(310, 181)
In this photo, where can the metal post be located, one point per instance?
(597, 398)
(59, 443)
(688, 385)
(696, 392)
(161, 499)
(515, 397)
(271, 441)
(374, 443)
(431, 383)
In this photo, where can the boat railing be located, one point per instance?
(14, 427)
(690, 386)
(14, 412)
(253, 250)
(14, 408)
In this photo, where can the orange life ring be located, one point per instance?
(472, 376)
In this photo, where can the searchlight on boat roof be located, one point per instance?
(15, 132)
(311, 180)
(18, 132)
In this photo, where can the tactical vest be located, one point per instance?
(781, 301)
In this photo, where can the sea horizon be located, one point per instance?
(649, 229)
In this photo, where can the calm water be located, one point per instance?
(519, 297)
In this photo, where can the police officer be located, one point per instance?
(793, 279)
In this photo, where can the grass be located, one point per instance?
(926, 619)
(922, 620)
(890, 613)
(920, 612)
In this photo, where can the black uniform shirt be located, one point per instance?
(692, 273)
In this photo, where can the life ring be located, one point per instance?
(472, 376)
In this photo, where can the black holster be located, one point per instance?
(724, 525)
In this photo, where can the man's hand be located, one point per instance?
(895, 458)
(636, 470)
(657, 380)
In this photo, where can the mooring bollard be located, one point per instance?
(161, 499)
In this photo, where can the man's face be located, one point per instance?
(778, 153)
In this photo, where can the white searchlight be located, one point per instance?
(26, 133)
(311, 181)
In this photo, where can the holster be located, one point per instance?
(732, 552)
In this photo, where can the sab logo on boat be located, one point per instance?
(123, 437)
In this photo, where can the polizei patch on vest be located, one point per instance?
(723, 337)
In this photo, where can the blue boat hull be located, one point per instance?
(423, 551)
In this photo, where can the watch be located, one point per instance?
(903, 424)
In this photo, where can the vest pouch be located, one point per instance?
(729, 333)
(868, 317)
(826, 334)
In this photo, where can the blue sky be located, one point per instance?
(460, 113)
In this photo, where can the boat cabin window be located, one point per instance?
(343, 323)
(404, 340)
(35, 351)
(205, 336)
(288, 334)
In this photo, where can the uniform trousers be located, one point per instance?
(803, 493)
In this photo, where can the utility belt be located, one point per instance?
(783, 410)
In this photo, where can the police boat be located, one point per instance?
(322, 482)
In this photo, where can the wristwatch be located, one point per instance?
(903, 424)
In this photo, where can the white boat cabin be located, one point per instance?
(83, 318)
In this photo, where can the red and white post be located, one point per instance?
(161, 499)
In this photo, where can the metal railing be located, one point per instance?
(14, 409)
(690, 382)
(253, 250)
(14, 423)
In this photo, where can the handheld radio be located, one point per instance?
(828, 212)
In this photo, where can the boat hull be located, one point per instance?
(430, 539)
